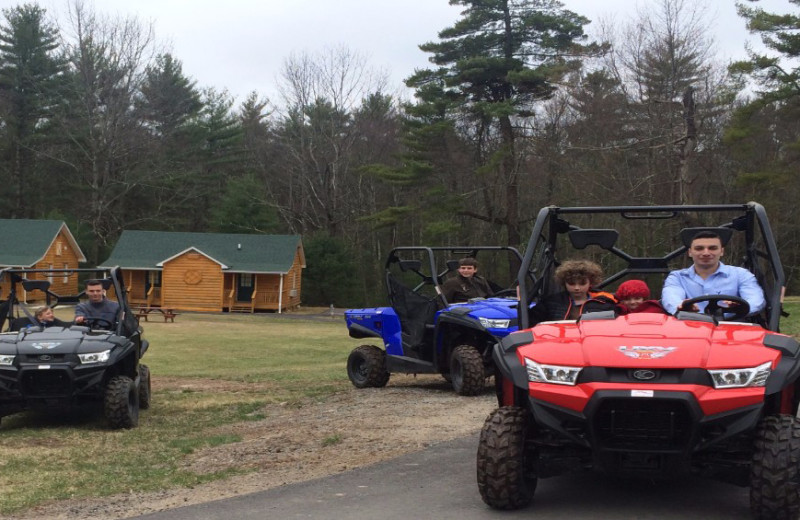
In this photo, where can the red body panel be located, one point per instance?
(649, 341)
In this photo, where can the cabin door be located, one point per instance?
(244, 287)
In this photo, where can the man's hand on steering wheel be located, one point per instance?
(94, 323)
(737, 307)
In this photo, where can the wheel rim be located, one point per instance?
(456, 372)
(359, 369)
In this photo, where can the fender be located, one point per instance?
(788, 369)
(458, 317)
(359, 331)
(506, 360)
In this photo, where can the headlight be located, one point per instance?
(741, 377)
(494, 324)
(95, 357)
(6, 360)
(552, 373)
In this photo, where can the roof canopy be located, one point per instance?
(26, 242)
(238, 253)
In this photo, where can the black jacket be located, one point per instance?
(558, 306)
(460, 289)
(24, 322)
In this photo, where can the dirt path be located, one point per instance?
(293, 444)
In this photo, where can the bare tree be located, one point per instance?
(107, 60)
(663, 62)
(318, 136)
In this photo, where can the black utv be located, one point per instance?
(62, 365)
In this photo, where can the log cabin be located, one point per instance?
(39, 244)
(210, 271)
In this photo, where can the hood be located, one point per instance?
(56, 340)
(649, 339)
(492, 308)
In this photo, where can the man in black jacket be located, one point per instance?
(467, 284)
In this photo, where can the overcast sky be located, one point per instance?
(240, 45)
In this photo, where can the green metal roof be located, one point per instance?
(236, 252)
(25, 242)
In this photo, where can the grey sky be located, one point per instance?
(241, 44)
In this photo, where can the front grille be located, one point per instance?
(44, 358)
(642, 424)
(688, 376)
(45, 383)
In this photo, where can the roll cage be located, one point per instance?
(28, 280)
(429, 266)
(657, 237)
(415, 274)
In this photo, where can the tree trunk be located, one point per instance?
(512, 182)
(687, 150)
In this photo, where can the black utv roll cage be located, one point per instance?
(539, 261)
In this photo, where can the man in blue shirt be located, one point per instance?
(709, 276)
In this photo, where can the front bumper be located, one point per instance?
(50, 383)
(665, 432)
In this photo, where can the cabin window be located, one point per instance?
(66, 275)
(154, 278)
(59, 247)
(245, 280)
(50, 274)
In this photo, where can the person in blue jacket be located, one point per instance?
(709, 276)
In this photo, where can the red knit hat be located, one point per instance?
(633, 289)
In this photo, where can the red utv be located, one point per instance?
(648, 394)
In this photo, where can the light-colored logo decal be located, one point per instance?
(646, 352)
(46, 345)
(644, 375)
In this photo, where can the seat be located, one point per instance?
(17, 324)
(415, 311)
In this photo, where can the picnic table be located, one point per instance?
(166, 313)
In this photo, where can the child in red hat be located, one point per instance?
(634, 296)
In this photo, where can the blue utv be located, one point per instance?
(422, 332)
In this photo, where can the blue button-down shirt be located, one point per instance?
(735, 281)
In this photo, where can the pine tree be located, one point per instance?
(168, 98)
(780, 33)
(764, 136)
(31, 74)
(496, 64)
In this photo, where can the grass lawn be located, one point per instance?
(791, 325)
(275, 360)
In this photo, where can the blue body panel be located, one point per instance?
(491, 309)
(383, 321)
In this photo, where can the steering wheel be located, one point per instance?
(98, 323)
(511, 291)
(713, 307)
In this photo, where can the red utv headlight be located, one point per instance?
(555, 374)
(741, 377)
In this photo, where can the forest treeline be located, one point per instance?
(102, 128)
